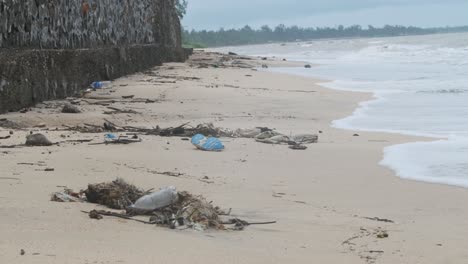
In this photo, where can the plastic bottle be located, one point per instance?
(156, 200)
(101, 84)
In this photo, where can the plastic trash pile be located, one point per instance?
(260, 134)
(166, 207)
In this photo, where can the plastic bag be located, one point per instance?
(207, 144)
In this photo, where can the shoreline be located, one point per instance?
(420, 138)
(329, 200)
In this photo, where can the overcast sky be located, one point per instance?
(213, 14)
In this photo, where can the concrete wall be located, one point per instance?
(52, 49)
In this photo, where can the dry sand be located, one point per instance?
(320, 197)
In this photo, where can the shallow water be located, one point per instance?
(420, 85)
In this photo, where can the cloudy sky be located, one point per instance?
(213, 14)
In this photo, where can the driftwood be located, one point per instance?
(6, 137)
(94, 214)
(120, 111)
(379, 219)
(78, 140)
(12, 146)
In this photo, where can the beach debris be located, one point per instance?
(68, 108)
(169, 173)
(189, 211)
(101, 84)
(116, 110)
(186, 211)
(5, 123)
(240, 224)
(379, 219)
(232, 53)
(382, 234)
(273, 137)
(251, 132)
(185, 130)
(298, 147)
(356, 135)
(307, 66)
(117, 194)
(207, 144)
(166, 207)
(95, 215)
(156, 200)
(264, 66)
(68, 196)
(128, 96)
(108, 126)
(22, 252)
(121, 139)
(38, 140)
(49, 169)
(41, 125)
(5, 137)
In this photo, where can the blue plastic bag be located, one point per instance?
(207, 144)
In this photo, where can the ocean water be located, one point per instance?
(420, 87)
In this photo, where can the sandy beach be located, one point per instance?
(329, 201)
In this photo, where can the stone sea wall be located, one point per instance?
(82, 23)
(54, 48)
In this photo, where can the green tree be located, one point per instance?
(181, 7)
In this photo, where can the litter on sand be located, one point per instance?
(114, 139)
(67, 196)
(38, 140)
(207, 144)
(167, 207)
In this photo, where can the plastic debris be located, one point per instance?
(273, 137)
(167, 207)
(162, 198)
(207, 144)
(67, 196)
(114, 139)
(100, 84)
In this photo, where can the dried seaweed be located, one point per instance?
(117, 194)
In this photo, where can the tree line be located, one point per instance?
(281, 33)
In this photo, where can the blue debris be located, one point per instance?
(207, 144)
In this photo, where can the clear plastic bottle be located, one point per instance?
(156, 200)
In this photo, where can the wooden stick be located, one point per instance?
(119, 216)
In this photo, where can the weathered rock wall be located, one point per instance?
(51, 49)
(31, 76)
(85, 23)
